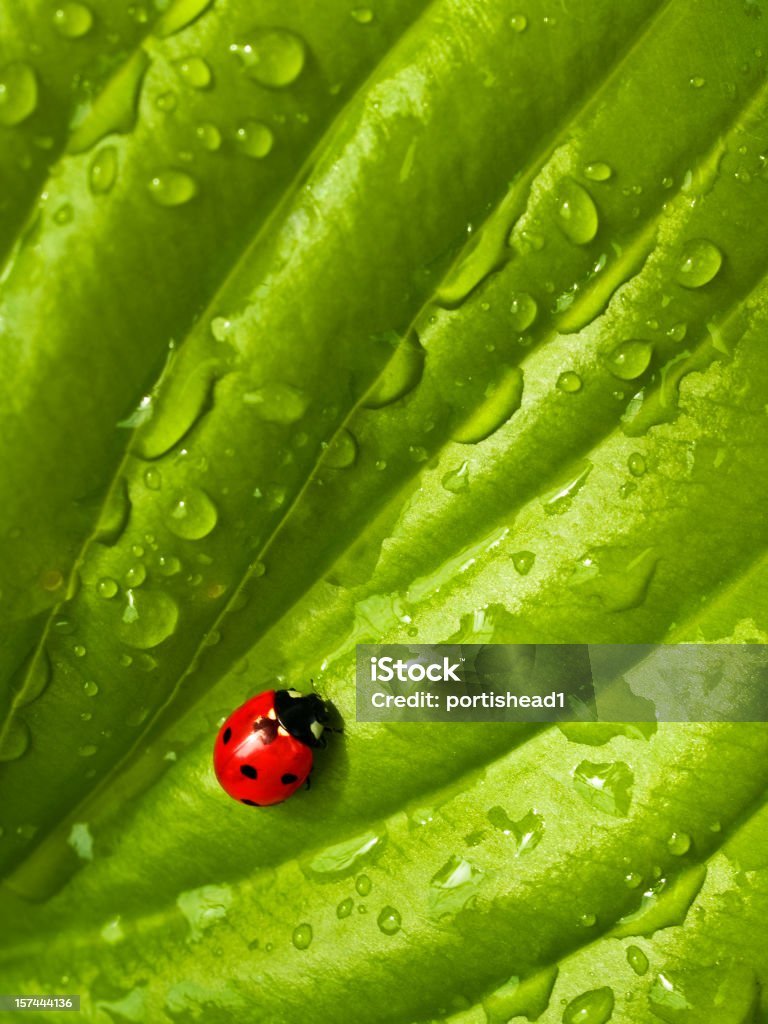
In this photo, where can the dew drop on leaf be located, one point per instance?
(362, 15)
(135, 575)
(363, 885)
(521, 997)
(181, 14)
(637, 960)
(523, 561)
(193, 515)
(103, 171)
(629, 359)
(636, 464)
(518, 23)
(37, 678)
(594, 1007)
(560, 498)
(569, 382)
(73, 20)
(389, 920)
(149, 618)
(523, 310)
(577, 213)
(87, 750)
(679, 843)
(167, 101)
(341, 452)
(209, 136)
(18, 93)
(172, 188)
(598, 171)
(699, 263)
(453, 886)
(272, 56)
(503, 397)
(106, 587)
(90, 688)
(344, 909)
(277, 403)
(195, 71)
(302, 936)
(153, 479)
(457, 480)
(400, 376)
(607, 787)
(15, 741)
(254, 139)
(64, 214)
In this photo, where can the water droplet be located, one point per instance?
(633, 879)
(345, 908)
(453, 886)
(679, 843)
(115, 107)
(503, 397)
(362, 15)
(181, 14)
(577, 213)
(637, 960)
(363, 885)
(560, 498)
(699, 263)
(172, 188)
(192, 516)
(518, 23)
(569, 382)
(630, 359)
(523, 561)
(73, 20)
(81, 840)
(606, 787)
(254, 139)
(18, 93)
(523, 309)
(341, 452)
(272, 56)
(195, 72)
(87, 750)
(149, 618)
(15, 741)
(302, 936)
(91, 688)
(636, 464)
(457, 480)
(400, 375)
(103, 170)
(209, 136)
(389, 920)
(135, 576)
(153, 479)
(169, 565)
(106, 587)
(598, 171)
(521, 997)
(595, 1007)
(51, 580)
(80, 651)
(588, 920)
(677, 331)
(204, 907)
(697, 82)
(64, 214)
(37, 678)
(278, 403)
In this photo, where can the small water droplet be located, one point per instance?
(135, 576)
(518, 23)
(636, 464)
(87, 750)
(523, 561)
(457, 480)
(209, 136)
(149, 618)
(18, 93)
(192, 516)
(598, 171)
(103, 170)
(697, 82)
(91, 688)
(195, 72)
(569, 382)
(345, 908)
(15, 741)
(389, 920)
(73, 20)
(606, 787)
(254, 139)
(362, 15)
(272, 56)
(577, 213)
(341, 453)
(278, 403)
(523, 309)
(699, 263)
(167, 101)
(80, 651)
(595, 1007)
(679, 843)
(302, 936)
(169, 565)
(632, 880)
(588, 920)
(106, 587)
(64, 214)
(173, 188)
(630, 359)
(363, 885)
(153, 479)
(637, 960)
(677, 331)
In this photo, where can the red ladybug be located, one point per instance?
(263, 752)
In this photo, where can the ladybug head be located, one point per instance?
(302, 715)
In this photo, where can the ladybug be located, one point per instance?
(263, 751)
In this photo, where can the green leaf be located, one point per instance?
(423, 322)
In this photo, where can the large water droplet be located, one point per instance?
(73, 20)
(181, 14)
(36, 678)
(135, 575)
(523, 310)
(90, 688)
(569, 382)
(149, 618)
(272, 56)
(192, 516)
(606, 787)
(302, 936)
(595, 1007)
(341, 452)
(679, 843)
(344, 858)
(195, 72)
(453, 886)
(18, 93)
(503, 397)
(172, 188)
(528, 832)
(15, 741)
(637, 960)
(577, 213)
(115, 107)
(521, 997)
(699, 262)
(400, 376)
(389, 920)
(630, 359)
(518, 23)
(103, 171)
(278, 403)
(254, 139)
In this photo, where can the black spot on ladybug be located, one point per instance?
(251, 803)
(249, 771)
(287, 779)
(227, 735)
(267, 730)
